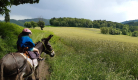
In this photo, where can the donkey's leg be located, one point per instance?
(20, 76)
(37, 73)
(31, 77)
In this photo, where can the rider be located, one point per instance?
(24, 40)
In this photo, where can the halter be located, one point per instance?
(46, 48)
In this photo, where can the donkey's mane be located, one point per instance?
(37, 42)
(43, 39)
(40, 41)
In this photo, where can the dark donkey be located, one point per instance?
(15, 67)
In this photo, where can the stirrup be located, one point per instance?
(40, 59)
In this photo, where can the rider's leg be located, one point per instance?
(36, 50)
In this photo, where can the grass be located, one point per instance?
(81, 53)
(88, 55)
(89, 33)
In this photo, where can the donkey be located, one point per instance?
(14, 66)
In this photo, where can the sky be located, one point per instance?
(109, 10)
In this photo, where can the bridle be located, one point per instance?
(46, 48)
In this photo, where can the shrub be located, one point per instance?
(135, 34)
(104, 30)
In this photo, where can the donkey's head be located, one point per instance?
(47, 47)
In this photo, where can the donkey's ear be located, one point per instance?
(50, 35)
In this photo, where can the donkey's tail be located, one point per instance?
(1, 70)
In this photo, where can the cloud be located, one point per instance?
(111, 10)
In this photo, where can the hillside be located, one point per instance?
(125, 22)
(21, 22)
(9, 34)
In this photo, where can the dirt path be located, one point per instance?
(43, 70)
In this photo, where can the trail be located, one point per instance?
(43, 70)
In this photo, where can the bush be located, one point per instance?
(110, 30)
(104, 30)
(8, 37)
(135, 34)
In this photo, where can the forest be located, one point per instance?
(107, 27)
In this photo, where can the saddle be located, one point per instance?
(29, 54)
(32, 56)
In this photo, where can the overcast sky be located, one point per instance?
(110, 10)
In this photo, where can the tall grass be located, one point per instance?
(82, 55)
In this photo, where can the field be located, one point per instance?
(86, 54)
(81, 53)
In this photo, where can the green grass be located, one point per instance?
(85, 54)
(81, 53)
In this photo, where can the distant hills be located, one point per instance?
(125, 22)
(131, 22)
(21, 22)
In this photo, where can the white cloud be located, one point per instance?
(111, 10)
(17, 17)
(129, 9)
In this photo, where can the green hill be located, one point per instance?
(125, 22)
(21, 22)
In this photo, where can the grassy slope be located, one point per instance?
(89, 55)
(9, 35)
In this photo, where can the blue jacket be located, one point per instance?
(25, 41)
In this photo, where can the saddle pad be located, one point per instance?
(32, 62)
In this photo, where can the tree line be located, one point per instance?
(76, 22)
(106, 27)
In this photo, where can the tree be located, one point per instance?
(104, 30)
(33, 24)
(7, 17)
(8, 3)
(125, 29)
(28, 24)
(41, 24)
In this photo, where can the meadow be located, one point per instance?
(81, 53)
(86, 54)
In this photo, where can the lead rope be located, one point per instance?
(16, 64)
